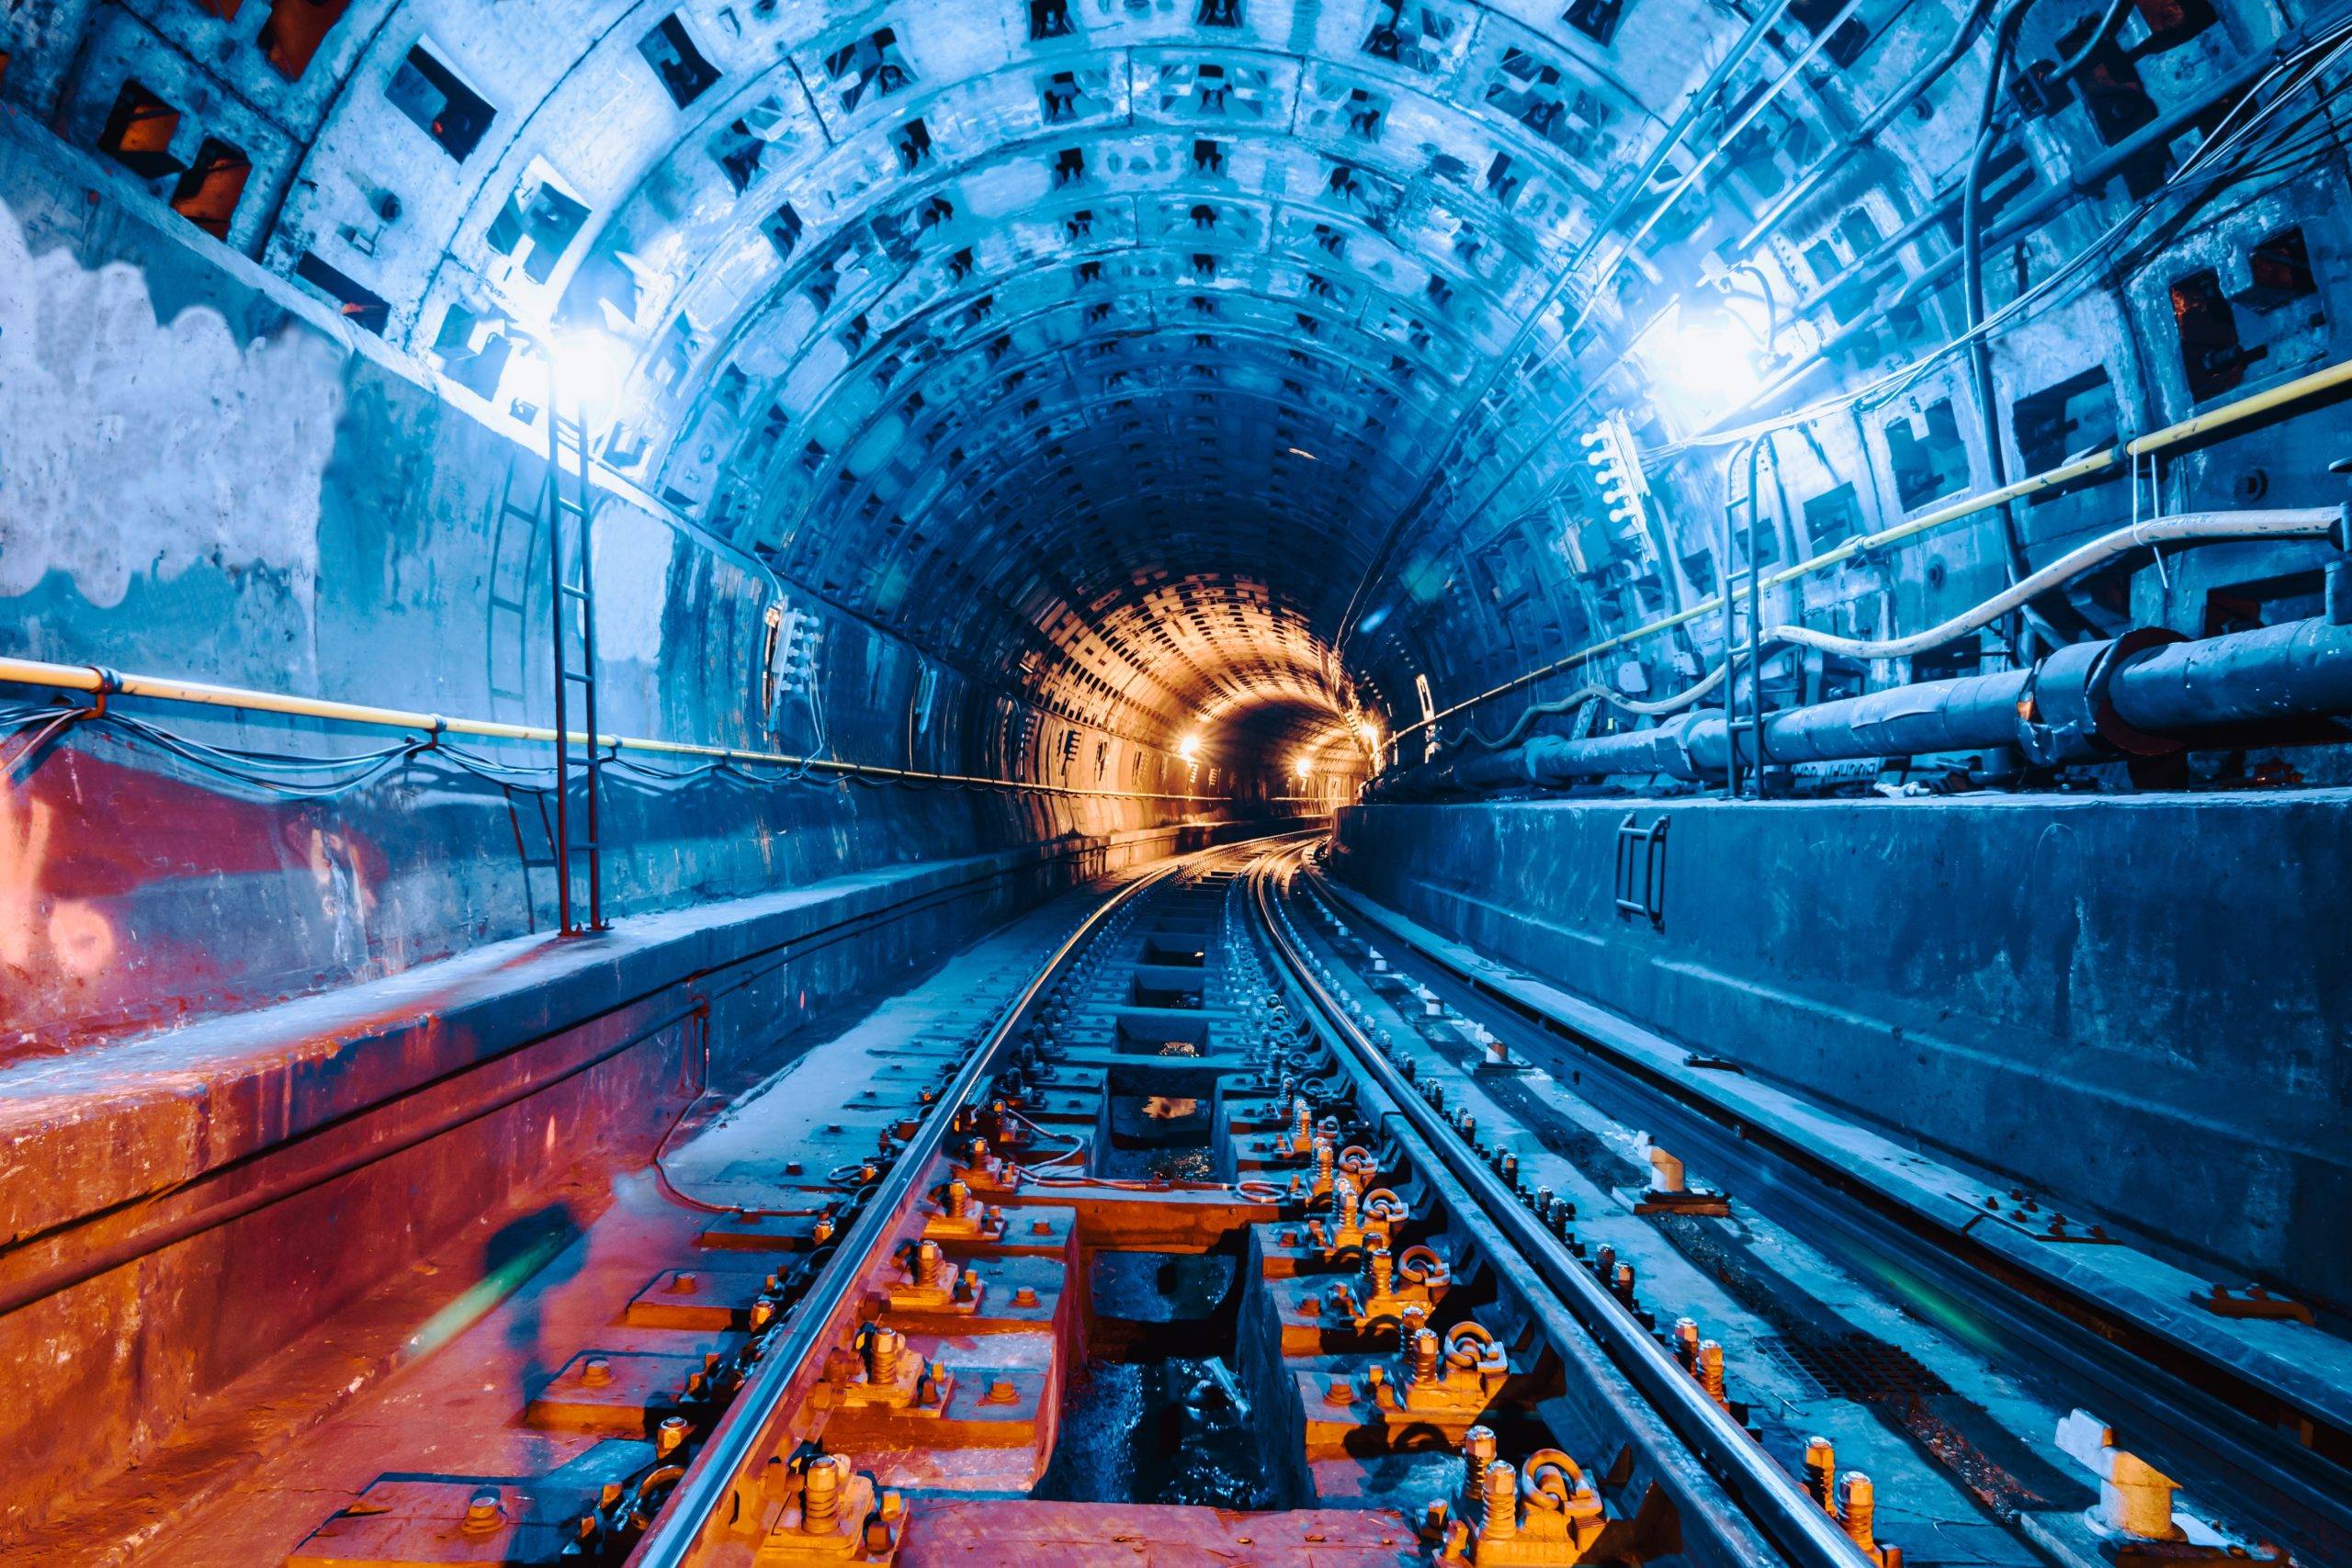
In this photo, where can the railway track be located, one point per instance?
(1211, 1225)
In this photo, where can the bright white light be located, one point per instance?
(1706, 352)
(590, 367)
(1189, 748)
(1302, 769)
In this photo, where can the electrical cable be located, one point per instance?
(1577, 699)
(2193, 177)
(52, 722)
(2182, 527)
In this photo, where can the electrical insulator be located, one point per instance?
(1609, 447)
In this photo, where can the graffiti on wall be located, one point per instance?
(133, 447)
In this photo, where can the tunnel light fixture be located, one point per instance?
(587, 366)
(1189, 748)
(1705, 353)
(1300, 452)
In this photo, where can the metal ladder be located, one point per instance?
(521, 507)
(1739, 498)
(570, 518)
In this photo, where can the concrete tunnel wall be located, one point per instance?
(211, 995)
(2137, 1006)
(210, 479)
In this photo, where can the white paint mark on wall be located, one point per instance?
(132, 447)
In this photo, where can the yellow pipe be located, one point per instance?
(92, 679)
(89, 678)
(2097, 464)
(2318, 381)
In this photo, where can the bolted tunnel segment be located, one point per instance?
(1345, 782)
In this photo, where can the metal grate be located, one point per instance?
(1855, 1365)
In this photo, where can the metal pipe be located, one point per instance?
(2087, 701)
(2204, 527)
(1862, 135)
(2097, 466)
(2300, 670)
(99, 681)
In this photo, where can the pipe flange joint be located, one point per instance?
(2067, 717)
(1686, 736)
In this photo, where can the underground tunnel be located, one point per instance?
(1332, 783)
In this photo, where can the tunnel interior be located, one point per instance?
(556, 558)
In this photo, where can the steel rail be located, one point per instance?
(724, 1466)
(1679, 1474)
(2038, 1313)
(1790, 1519)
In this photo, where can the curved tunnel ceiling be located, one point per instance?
(1146, 352)
(1137, 326)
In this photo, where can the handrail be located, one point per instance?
(2099, 465)
(99, 680)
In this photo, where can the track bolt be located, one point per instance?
(1711, 1369)
(1342, 1391)
(820, 1496)
(1001, 1392)
(1421, 1353)
(1686, 1343)
(1621, 1282)
(685, 1284)
(882, 1349)
(1025, 1296)
(1041, 1227)
(670, 1437)
(1856, 1504)
(930, 1264)
(1498, 1492)
(1821, 1473)
(959, 1198)
(484, 1512)
(595, 1372)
